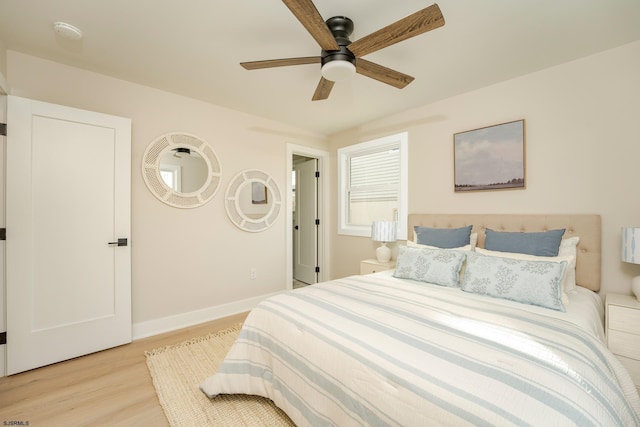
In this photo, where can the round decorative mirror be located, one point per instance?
(253, 201)
(181, 170)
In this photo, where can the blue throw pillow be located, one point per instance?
(544, 243)
(445, 238)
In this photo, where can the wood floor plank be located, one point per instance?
(112, 387)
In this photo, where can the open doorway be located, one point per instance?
(306, 221)
(306, 213)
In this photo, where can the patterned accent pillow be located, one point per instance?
(529, 282)
(566, 278)
(438, 266)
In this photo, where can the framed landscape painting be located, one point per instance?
(490, 158)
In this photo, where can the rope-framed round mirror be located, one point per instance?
(253, 200)
(181, 170)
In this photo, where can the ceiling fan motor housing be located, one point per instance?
(341, 27)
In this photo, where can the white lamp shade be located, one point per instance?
(384, 231)
(631, 244)
(338, 70)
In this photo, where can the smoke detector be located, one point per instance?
(67, 31)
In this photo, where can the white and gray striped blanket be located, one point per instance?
(377, 351)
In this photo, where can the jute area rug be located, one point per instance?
(177, 371)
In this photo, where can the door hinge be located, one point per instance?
(3, 234)
(317, 174)
(317, 222)
(3, 129)
(317, 269)
(3, 338)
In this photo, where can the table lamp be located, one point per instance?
(631, 253)
(385, 232)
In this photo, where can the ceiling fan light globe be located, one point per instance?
(338, 71)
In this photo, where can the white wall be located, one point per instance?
(582, 151)
(183, 260)
(3, 60)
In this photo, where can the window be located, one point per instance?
(372, 180)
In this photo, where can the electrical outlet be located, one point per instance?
(253, 273)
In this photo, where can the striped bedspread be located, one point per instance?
(377, 351)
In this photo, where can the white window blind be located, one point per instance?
(376, 176)
(372, 184)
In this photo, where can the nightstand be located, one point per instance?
(623, 332)
(369, 266)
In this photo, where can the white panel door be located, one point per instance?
(305, 256)
(68, 199)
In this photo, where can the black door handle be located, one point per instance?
(120, 242)
(295, 227)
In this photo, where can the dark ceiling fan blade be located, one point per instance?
(311, 19)
(382, 74)
(418, 23)
(270, 63)
(323, 90)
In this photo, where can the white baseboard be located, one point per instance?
(184, 320)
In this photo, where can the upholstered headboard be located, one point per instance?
(585, 226)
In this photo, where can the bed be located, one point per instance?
(382, 350)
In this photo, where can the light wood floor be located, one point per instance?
(108, 388)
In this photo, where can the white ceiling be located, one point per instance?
(193, 48)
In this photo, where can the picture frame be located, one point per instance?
(490, 158)
(258, 193)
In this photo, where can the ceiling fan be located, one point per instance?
(340, 58)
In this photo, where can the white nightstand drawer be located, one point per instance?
(624, 344)
(624, 319)
(633, 366)
(369, 266)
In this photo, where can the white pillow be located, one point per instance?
(566, 278)
(412, 244)
(568, 248)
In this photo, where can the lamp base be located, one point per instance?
(635, 286)
(383, 253)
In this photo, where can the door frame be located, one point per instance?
(4, 90)
(323, 209)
